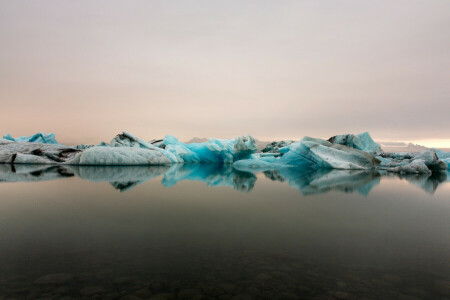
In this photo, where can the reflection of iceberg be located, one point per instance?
(25, 173)
(212, 174)
(426, 182)
(307, 181)
(313, 181)
(122, 178)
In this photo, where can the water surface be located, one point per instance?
(210, 232)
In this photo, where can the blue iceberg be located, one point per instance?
(35, 138)
(344, 152)
(312, 153)
(362, 141)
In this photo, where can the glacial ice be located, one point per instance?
(362, 141)
(444, 156)
(112, 156)
(38, 153)
(423, 162)
(345, 152)
(213, 151)
(36, 138)
(313, 153)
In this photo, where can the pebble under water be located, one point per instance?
(248, 236)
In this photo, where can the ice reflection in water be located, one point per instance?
(307, 181)
(77, 239)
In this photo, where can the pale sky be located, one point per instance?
(87, 70)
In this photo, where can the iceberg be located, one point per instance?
(425, 162)
(362, 141)
(444, 156)
(348, 152)
(312, 153)
(35, 153)
(126, 149)
(36, 138)
(39, 153)
(213, 151)
(112, 156)
(343, 152)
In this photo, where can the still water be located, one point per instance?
(209, 232)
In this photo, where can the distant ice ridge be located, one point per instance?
(36, 138)
(346, 152)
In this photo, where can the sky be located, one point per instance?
(87, 70)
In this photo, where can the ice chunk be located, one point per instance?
(417, 166)
(323, 154)
(213, 151)
(444, 156)
(424, 162)
(312, 153)
(112, 156)
(362, 141)
(35, 153)
(36, 138)
(129, 140)
(340, 152)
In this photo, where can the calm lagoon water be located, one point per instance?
(209, 232)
